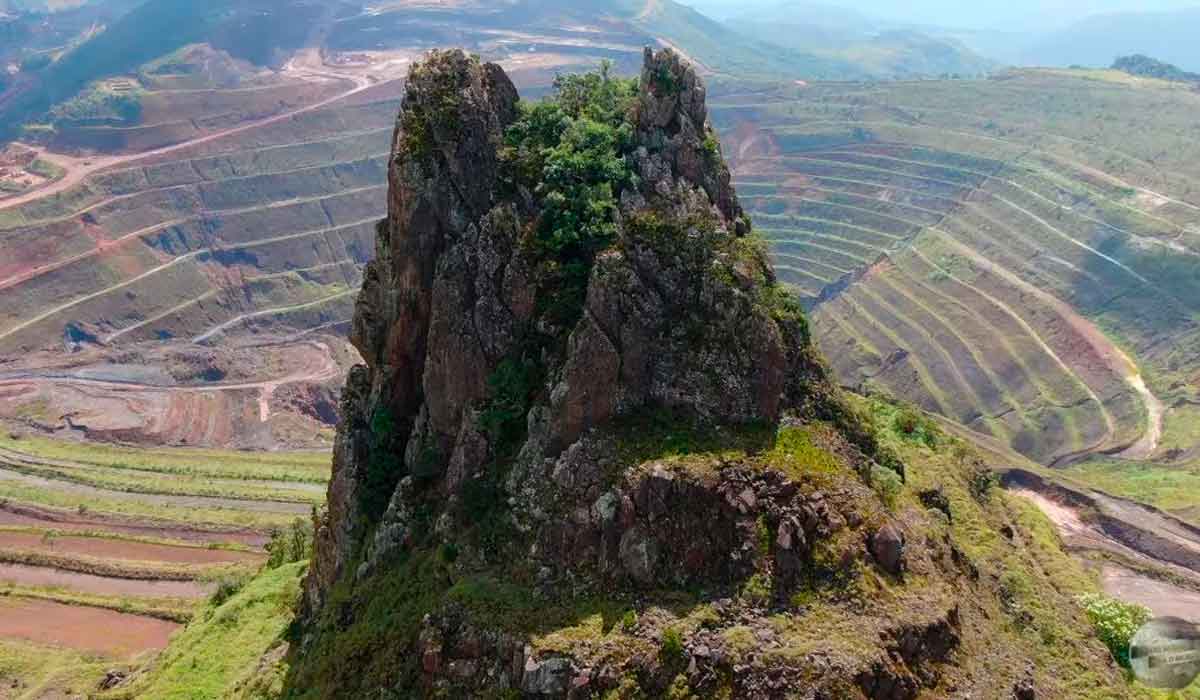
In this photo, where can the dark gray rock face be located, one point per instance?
(674, 315)
(887, 546)
(509, 515)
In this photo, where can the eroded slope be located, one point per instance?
(1002, 252)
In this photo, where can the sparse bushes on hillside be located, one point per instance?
(915, 426)
(100, 105)
(1116, 622)
(887, 484)
(291, 544)
(228, 586)
(671, 650)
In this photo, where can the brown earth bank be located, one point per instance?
(93, 630)
(1141, 554)
(158, 499)
(24, 515)
(22, 575)
(127, 550)
(250, 393)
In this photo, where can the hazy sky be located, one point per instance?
(991, 14)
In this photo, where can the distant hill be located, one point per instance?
(1147, 67)
(1098, 40)
(729, 49)
(623, 26)
(879, 48)
(253, 30)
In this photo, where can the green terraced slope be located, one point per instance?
(1018, 254)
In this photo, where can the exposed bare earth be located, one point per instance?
(19, 574)
(129, 550)
(1164, 599)
(102, 394)
(79, 168)
(15, 515)
(1147, 556)
(86, 629)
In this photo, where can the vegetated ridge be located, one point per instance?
(1147, 67)
(593, 451)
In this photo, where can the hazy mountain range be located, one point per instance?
(1020, 33)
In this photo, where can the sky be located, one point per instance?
(1008, 15)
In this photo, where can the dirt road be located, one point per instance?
(1166, 593)
(78, 169)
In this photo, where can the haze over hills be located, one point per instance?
(1050, 34)
(1098, 40)
(879, 47)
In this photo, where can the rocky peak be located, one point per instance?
(585, 387)
(679, 309)
(673, 124)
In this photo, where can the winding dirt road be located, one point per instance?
(78, 169)
(319, 367)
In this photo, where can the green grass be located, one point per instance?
(164, 484)
(217, 655)
(172, 609)
(1165, 486)
(82, 503)
(33, 672)
(310, 467)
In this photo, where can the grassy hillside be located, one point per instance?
(726, 50)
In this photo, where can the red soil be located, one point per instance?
(100, 548)
(30, 516)
(20, 574)
(92, 630)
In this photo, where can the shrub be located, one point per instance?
(291, 544)
(1115, 621)
(384, 466)
(572, 151)
(983, 482)
(758, 589)
(448, 553)
(914, 426)
(509, 386)
(227, 587)
(671, 650)
(887, 484)
(629, 620)
(762, 536)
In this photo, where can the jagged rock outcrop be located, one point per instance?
(674, 316)
(566, 415)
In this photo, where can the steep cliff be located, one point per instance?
(592, 451)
